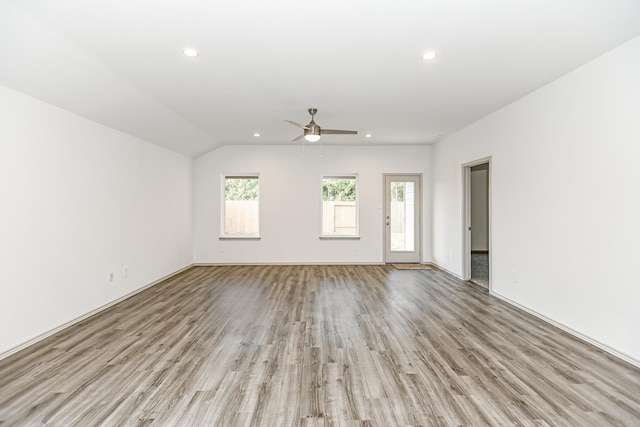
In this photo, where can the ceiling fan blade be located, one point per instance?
(297, 124)
(337, 131)
(298, 138)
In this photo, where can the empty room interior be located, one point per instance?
(319, 213)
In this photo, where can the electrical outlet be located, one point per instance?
(111, 277)
(453, 255)
(125, 272)
(514, 277)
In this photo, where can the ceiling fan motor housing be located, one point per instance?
(312, 131)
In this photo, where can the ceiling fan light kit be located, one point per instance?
(312, 131)
(312, 137)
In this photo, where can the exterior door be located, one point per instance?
(402, 219)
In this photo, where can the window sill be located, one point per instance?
(339, 237)
(239, 237)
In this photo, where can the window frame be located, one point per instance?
(356, 234)
(226, 236)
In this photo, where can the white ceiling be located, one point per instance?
(120, 63)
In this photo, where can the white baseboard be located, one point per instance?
(596, 343)
(87, 315)
(567, 329)
(227, 264)
(449, 272)
(573, 332)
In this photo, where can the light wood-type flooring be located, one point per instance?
(315, 346)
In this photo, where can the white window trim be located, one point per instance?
(223, 235)
(239, 237)
(355, 236)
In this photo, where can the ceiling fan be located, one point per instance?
(312, 131)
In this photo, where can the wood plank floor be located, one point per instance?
(315, 346)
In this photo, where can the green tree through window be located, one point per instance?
(339, 189)
(241, 188)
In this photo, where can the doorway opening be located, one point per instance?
(477, 220)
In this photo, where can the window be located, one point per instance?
(340, 206)
(241, 214)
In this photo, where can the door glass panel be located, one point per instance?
(401, 216)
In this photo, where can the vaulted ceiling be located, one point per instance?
(121, 63)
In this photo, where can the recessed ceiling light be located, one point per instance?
(368, 135)
(191, 52)
(429, 55)
(256, 134)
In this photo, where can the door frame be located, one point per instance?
(466, 217)
(418, 217)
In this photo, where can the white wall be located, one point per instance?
(290, 203)
(77, 201)
(564, 197)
